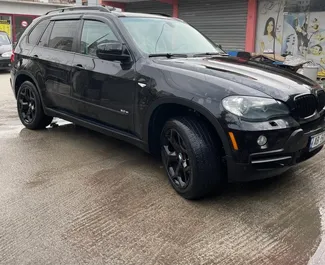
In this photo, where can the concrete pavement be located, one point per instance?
(72, 196)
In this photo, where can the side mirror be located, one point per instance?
(112, 51)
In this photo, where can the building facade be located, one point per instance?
(223, 21)
(294, 27)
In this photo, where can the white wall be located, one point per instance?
(18, 7)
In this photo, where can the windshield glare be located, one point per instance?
(4, 40)
(158, 35)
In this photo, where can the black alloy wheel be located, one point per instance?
(30, 108)
(176, 159)
(191, 157)
(27, 105)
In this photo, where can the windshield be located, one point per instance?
(159, 35)
(4, 40)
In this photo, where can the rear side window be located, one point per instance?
(63, 35)
(37, 31)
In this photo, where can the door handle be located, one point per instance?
(35, 56)
(79, 66)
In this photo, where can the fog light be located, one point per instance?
(262, 140)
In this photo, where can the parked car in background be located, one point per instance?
(5, 51)
(158, 83)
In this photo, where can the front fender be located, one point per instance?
(192, 105)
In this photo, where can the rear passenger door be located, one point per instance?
(54, 54)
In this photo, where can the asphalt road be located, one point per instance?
(72, 196)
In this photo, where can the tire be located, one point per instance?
(196, 158)
(29, 107)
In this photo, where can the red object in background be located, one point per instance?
(174, 4)
(251, 26)
(12, 57)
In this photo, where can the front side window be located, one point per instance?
(37, 31)
(93, 34)
(62, 36)
(160, 35)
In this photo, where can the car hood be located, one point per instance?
(272, 81)
(5, 48)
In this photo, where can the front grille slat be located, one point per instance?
(306, 106)
(321, 99)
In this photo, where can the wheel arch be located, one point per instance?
(23, 76)
(161, 104)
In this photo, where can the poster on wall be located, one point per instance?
(292, 27)
(304, 35)
(269, 27)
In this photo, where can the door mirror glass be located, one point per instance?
(112, 51)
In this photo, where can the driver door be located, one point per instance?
(104, 91)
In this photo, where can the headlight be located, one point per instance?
(254, 108)
(6, 55)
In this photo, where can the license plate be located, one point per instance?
(317, 141)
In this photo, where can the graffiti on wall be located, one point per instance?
(291, 29)
(304, 35)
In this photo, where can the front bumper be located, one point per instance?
(5, 63)
(288, 147)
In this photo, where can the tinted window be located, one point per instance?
(62, 35)
(37, 32)
(94, 33)
(45, 37)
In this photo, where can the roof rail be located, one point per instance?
(161, 14)
(78, 8)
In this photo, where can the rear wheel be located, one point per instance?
(191, 157)
(30, 109)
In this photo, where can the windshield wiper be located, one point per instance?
(168, 55)
(208, 54)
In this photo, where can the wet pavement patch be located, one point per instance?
(72, 196)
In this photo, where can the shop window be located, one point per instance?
(21, 23)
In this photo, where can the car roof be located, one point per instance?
(146, 15)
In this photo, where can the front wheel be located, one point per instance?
(30, 109)
(191, 157)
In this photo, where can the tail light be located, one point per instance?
(12, 58)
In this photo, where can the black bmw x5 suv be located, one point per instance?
(161, 85)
